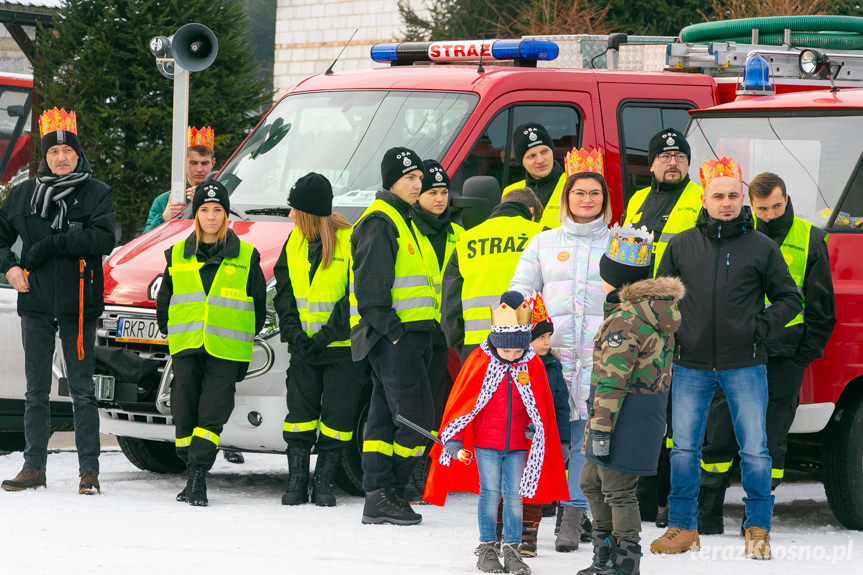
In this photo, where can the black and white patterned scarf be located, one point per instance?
(50, 188)
(497, 372)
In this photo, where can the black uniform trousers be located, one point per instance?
(400, 386)
(325, 397)
(784, 378)
(202, 399)
(439, 380)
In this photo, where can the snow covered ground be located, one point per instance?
(135, 526)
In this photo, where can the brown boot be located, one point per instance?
(89, 484)
(758, 543)
(27, 478)
(676, 540)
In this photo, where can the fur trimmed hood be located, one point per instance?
(658, 288)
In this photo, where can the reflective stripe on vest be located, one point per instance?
(317, 299)
(682, 216)
(487, 256)
(551, 210)
(795, 252)
(432, 261)
(223, 322)
(413, 292)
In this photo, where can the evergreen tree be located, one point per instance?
(96, 61)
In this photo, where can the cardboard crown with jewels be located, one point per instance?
(722, 168)
(201, 137)
(629, 246)
(579, 160)
(538, 311)
(54, 120)
(511, 318)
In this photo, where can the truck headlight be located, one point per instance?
(271, 324)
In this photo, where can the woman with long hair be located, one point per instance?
(212, 303)
(324, 385)
(563, 264)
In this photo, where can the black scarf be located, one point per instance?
(51, 188)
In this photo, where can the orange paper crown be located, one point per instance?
(580, 160)
(54, 120)
(203, 137)
(539, 312)
(723, 168)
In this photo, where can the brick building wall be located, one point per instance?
(310, 33)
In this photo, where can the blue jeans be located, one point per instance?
(576, 462)
(499, 475)
(691, 392)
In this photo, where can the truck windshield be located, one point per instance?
(814, 155)
(342, 135)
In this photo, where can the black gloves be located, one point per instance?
(39, 253)
(600, 443)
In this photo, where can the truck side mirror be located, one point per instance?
(16, 111)
(479, 195)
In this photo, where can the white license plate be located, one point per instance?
(140, 331)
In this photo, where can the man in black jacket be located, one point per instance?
(727, 270)
(789, 351)
(65, 219)
(393, 320)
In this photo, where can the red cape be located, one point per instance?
(460, 477)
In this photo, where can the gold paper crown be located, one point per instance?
(54, 120)
(506, 316)
(203, 137)
(580, 160)
(723, 168)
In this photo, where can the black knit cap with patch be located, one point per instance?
(434, 176)
(668, 140)
(528, 136)
(396, 163)
(211, 191)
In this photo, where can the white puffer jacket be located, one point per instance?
(563, 264)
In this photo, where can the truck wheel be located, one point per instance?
(843, 463)
(155, 456)
(350, 480)
(12, 441)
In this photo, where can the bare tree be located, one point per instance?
(731, 9)
(546, 17)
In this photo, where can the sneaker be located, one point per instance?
(676, 540)
(512, 561)
(385, 506)
(27, 478)
(89, 484)
(758, 543)
(487, 558)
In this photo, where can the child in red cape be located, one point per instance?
(501, 408)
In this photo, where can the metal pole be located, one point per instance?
(178, 134)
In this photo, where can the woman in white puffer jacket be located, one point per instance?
(563, 264)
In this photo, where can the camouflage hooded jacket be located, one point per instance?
(632, 373)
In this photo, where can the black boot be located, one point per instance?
(181, 496)
(325, 474)
(385, 506)
(662, 516)
(711, 500)
(627, 558)
(603, 549)
(196, 492)
(586, 529)
(298, 477)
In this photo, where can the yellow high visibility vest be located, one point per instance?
(795, 252)
(487, 256)
(413, 292)
(432, 261)
(223, 321)
(317, 299)
(550, 211)
(681, 218)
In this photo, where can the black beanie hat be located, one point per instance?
(527, 136)
(619, 275)
(396, 163)
(312, 194)
(512, 334)
(211, 191)
(540, 328)
(434, 176)
(668, 140)
(59, 138)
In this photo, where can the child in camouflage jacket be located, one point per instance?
(630, 384)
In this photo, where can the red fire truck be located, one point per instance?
(340, 124)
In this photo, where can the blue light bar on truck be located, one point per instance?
(528, 51)
(756, 77)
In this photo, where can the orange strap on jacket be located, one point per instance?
(80, 309)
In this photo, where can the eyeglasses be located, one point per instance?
(584, 195)
(664, 158)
